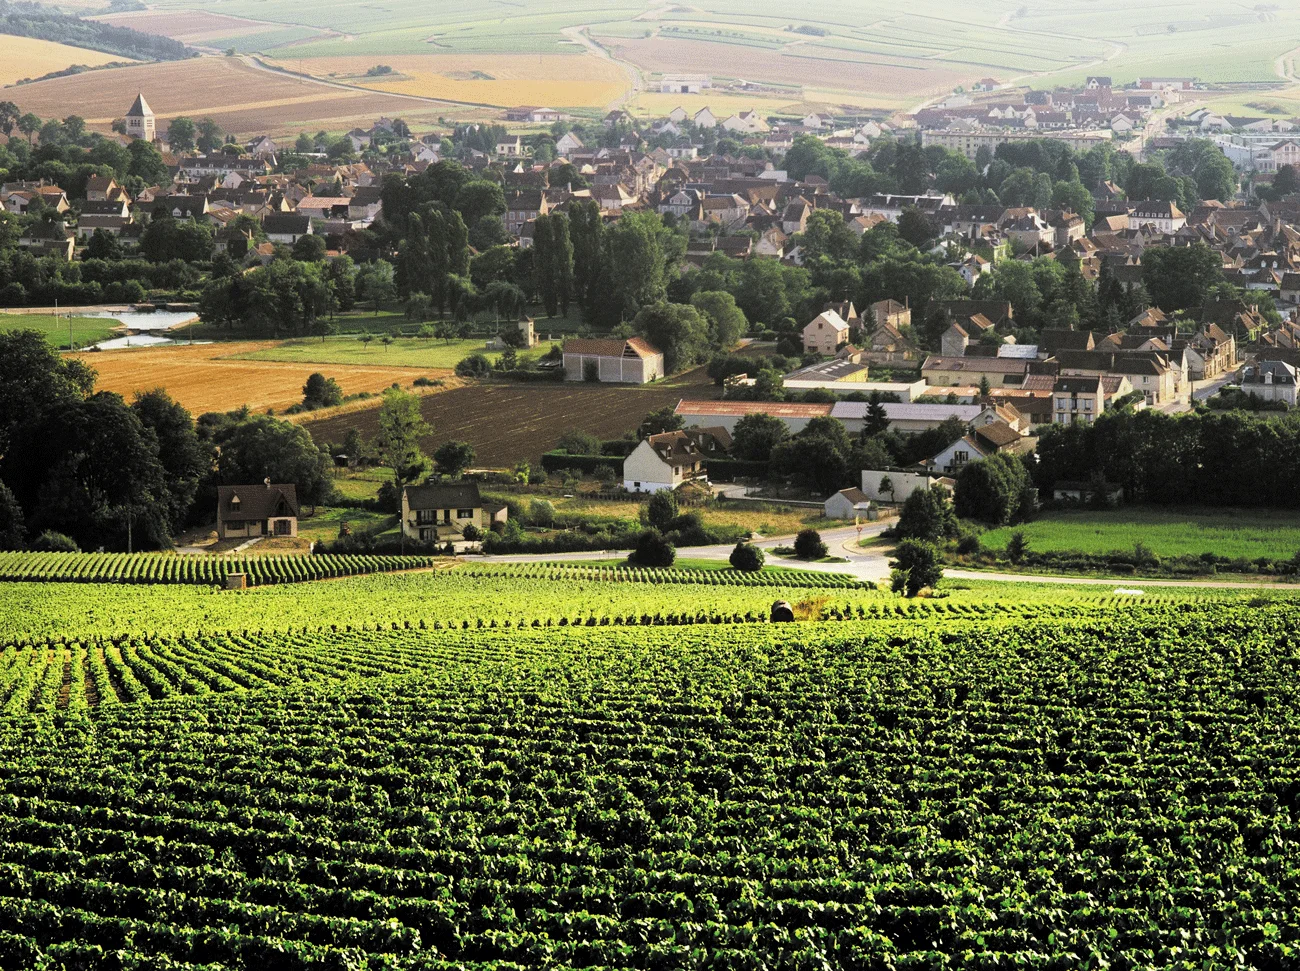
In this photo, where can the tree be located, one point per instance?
(180, 134)
(1017, 546)
(665, 419)
(586, 228)
(321, 392)
(815, 459)
(726, 321)
(186, 460)
(662, 509)
(991, 489)
(310, 248)
(636, 263)
(886, 485)
(103, 246)
(681, 332)
(916, 228)
(33, 379)
(1286, 181)
(876, 420)
(479, 198)
(746, 558)
(652, 549)
(756, 435)
(401, 426)
(474, 366)
(827, 237)
(210, 135)
(915, 566)
(147, 163)
(261, 447)
(1180, 278)
(29, 124)
(453, 458)
(1074, 197)
(13, 529)
(808, 545)
(927, 514)
(553, 274)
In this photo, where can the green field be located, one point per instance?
(402, 352)
(85, 330)
(576, 766)
(1233, 533)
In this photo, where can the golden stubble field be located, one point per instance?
(27, 57)
(202, 378)
(552, 80)
(241, 98)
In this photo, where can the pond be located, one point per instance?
(143, 328)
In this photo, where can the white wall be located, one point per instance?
(905, 483)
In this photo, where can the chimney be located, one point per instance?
(267, 480)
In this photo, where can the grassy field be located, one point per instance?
(27, 57)
(408, 352)
(1236, 533)
(85, 330)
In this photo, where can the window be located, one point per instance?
(234, 503)
(961, 457)
(464, 513)
(1087, 404)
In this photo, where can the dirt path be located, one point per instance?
(580, 36)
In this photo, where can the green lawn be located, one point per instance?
(85, 330)
(323, 527)
(403, 352)
(1234, 533)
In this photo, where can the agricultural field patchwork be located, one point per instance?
(972, 780)
(28, 57)
(557, 80)
(432, 354)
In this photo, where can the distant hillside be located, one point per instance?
(45, 23)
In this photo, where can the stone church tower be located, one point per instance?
(140, 120)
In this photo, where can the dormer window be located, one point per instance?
(234, 503)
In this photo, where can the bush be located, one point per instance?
(1017, 547)
(747, 558)
(474, 366)
(472, 533)
(968, 544)
(915, 566)
(591, 372)
(52, 542)
(928, 515)
(541, 513)
(577, 442)
(652, 549)
(808, 545)
(662, 509)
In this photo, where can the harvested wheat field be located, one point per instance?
(203, 378)
(188, 26)
(27, 57)
(556, 80)
(242, 99)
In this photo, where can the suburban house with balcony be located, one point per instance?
(248, 511)
(1078, 399)
(441, 511)
(667, 460)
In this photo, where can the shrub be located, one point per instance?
(541, 513)
(1017, 547)
(472, 533)
(747, 558)
(968, 544)
(52, 542)
(928, 515)
(915, 566)
(652, 549)
(591, 372)
(474, 366)
(662, 509)
(808, 545)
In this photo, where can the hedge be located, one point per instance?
(555, 461)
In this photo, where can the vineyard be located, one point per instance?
(981, 785)
(537, 765)
(204, 570)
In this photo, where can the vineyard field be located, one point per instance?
(1004, 785)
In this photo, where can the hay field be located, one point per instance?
(240, 98)
(204, 377)
(555, 80)
(27, 57)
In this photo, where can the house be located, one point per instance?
(247, 511)
(849, 504)
(667, 460)
(938, 370)
(704, 118)
(140, 122)
(286, 227)
(609, 360)
(825, 333)
(725, 414)
(510, 148)
(1164, 217)
(49, 239)
(102, 188)
(441, 511)
(1271, 381)
(959, 454)
(891, 313)
(896, 485)
(569, 143)
(1078, 400)
(524, 207)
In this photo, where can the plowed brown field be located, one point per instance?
(202, 379)
(188, 26)
(509, 422)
